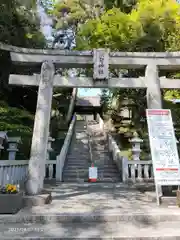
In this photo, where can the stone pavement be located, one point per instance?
(100, 211)
(109, 231)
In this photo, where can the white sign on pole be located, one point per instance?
(93, 173)
(163, 147)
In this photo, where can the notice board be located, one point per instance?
(163, 147)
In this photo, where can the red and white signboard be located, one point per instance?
(163, 147)
(93, 173)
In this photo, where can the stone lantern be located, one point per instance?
(13, 143)
(136, 146)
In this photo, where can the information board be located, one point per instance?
(163, 147)
(93, 174)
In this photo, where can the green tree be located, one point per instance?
(124, 25)
(19, 27)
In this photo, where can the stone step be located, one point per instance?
(152, 216)
(83, 161)
(75, 175)
(100, 173)
(109, 174)
(86, 175)
(85, 179)
(75, 166)
(85, 172)
(80, 147)
(100, 169)
(80, 150)
(101, 160)
(71, 168)
(78, 159)
(76, 155)
(100, 151)
(80, 129)
(74, 180)
(109, 180)
(89, 230)
(88, 164)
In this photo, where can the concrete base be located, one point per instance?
(168, 201)
(38, 200)
(144, 187)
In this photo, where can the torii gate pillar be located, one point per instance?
(36, 168)
(153, 94)
(154, 99)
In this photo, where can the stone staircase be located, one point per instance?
(78, 159)
(107, 170)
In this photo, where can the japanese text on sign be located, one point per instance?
(101, 64)
(163, 147)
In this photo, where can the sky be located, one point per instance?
(89, 91)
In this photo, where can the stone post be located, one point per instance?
(153, 95)
(136, 147)
(13, 143)
(36, 169)
(49, 148)
(3, 136)
(175, 131)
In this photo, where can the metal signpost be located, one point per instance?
(163, 149)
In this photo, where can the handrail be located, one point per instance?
(62, 156)
(72, 104)
(89, 141)
(101, 122)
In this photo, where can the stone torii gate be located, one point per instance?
(100, 60)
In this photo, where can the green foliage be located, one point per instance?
(124, 5)
(19, 25)
(150, 26)
(17, 123)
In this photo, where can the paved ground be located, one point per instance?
(91, 231)
(98, 198)
(72, 198)
(98, 212)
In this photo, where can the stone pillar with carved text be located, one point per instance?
(36, 169)
(154, 99)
